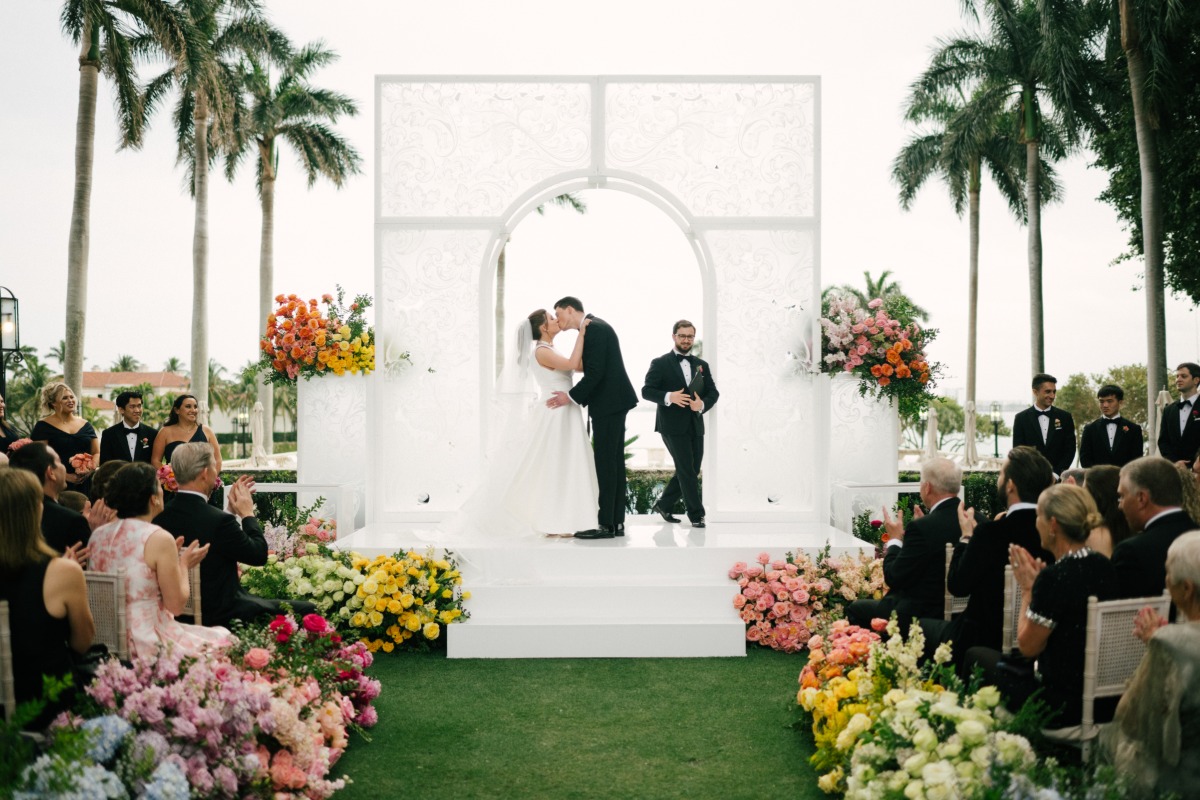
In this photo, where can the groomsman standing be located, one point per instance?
(680, 419)
(1047, 429)
(129, 440)
(1179, 437)
(1111, 439)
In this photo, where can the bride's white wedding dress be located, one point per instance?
(540, 476)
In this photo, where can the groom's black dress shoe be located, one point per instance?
(600, 532)
(667, 515)
(698, 523)
(619, 530)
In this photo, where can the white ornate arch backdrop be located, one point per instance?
(733, 161)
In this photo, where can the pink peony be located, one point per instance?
(257, 658)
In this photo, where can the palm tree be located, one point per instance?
(876, 287)
(126, 363)
(207, 117)
(174, 364)
(566, 200)
(59, 352)
(219, 389)
(1036, 65)
(24, 398)
(962, 140)
(104, 30)
(293, 111)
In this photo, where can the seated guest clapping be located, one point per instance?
(1054, 598)
(154, 563)
(981, 554)
(914, 566)
(1151, 497)
(1154, 740)
(62, 528)
(232, 538)
(47, 596)
(1101, 483)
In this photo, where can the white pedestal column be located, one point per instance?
(864, 448)
(331, 437)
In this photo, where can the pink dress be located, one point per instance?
(121, 545)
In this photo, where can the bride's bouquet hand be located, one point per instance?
(583, 323)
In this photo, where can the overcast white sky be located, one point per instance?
(866, 54)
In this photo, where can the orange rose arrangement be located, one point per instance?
(307, 338)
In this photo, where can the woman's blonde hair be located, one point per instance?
(1073, 508)
(52, 393)
(21, 539)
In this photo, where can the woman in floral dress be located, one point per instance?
(155, 566)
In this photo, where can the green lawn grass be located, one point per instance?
(583, 728)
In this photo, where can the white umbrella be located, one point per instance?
(931, 436)
(970, 456)
(258, 455)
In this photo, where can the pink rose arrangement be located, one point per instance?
(285, 542)
(18, 444)
(166, 478)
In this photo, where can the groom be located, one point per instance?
(608, 395)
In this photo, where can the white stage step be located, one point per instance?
(659, 591)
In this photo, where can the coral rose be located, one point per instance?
(257, 658)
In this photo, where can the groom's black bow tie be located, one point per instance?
(129, 430)
(1042, 413)
(683, 358)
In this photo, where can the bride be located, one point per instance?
(539, 476)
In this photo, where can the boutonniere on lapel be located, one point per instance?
(1125, 428)
(1057, 424)
(145, 442)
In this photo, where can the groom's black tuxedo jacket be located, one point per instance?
(1093, 443)
(666, 375)
(1059, 447)
(1175, 444)
(605, 388)
(114, 444)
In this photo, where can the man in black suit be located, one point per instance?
(65, 530)
(606, 391)
(1047, 429)
(232, 538)
(914, 566)
(1150, 495)
(1111, 439)
(129, 440)
(1179, 434)
(981, 553)
(679, 419)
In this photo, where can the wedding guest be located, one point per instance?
(1101, 483)
(1074, 476)
(680, 419)
(1189, 478)
(155, 566)
(76, 501)
(914, 566)
(1154, 740)
(1111, 439)
(1054, 598)
(102, 476)
(8, 434)
(981, 554)
(1179, 434)
(183, 426)
(233, 538)
(1151, 497)
(129, 440)
(67, 433)
(47, 597)
(1050, 430)
(61, 527)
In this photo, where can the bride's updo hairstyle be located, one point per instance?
(1073, 508)
(536, 320)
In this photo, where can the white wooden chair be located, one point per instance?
(7, 683)
(192, 607)
(954, 605)
(1110, 658)
(1012, 611)
(106, 598)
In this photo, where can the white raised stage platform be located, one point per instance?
(659, 591)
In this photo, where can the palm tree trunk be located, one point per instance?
(1034, 203)
(1152, 225)
(266, 279)
(973, 279)
(77, 245)
(500, 310)
(200, 257)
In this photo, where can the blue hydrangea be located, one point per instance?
(167, 783)
(52, 778)
(106, 734)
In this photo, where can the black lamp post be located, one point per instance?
(996, 429)
(10, 334)
(243, 420)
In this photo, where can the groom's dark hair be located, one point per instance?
(570, 302)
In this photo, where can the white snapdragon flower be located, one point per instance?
(914, 763)
(987, 697)
(925, 739)
(972, 731)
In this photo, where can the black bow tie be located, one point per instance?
(1112, 421)
(1042, 413)
(129, 430)
(683, 358)
(1185, 403)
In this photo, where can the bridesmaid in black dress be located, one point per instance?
(183, 426)
(8, 434)
(67, 434)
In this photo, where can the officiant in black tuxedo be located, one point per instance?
(128, 440)
(681, 385)
(1179, 434)
(606, 391)
(1049, 430)
(1111, 439)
